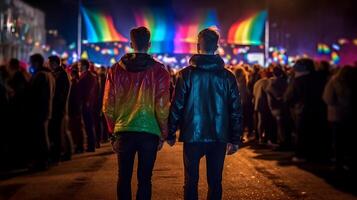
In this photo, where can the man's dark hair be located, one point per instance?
(278, 71)
(54, 59)
(84, 62)
(140, 37)
(208, 39)
(304, 64)
(14, 64)
(37, 59)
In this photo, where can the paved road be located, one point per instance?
(252, 173)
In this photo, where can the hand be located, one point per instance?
(232, 148)
(161, 144)
(115, 146)
(171, 142)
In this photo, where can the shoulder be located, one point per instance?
(63, 74)
(159, 67)
(42, 75)
(229, 74)
(159, 70)
(186, 70)
(115, 68)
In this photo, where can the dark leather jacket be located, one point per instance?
(206, 106)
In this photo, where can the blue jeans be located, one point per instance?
(192, 154)
(145, 144)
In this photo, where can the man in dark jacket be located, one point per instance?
(41, 92)
(17, 87)
(74, 112)
(56, 126)
(305, 100)
(88, 94)
(206, 108)
(102, 130)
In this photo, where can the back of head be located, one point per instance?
(263, 73)
(75, 72)
(278, 71)
(241, 74)
(324, 66)
(256, 68)
(37, 60)
(140, 39)
(54, 61)
(14, 64)
(83, 65)
(304, 65)
(346, 75)
(208, 41)
(103, 70)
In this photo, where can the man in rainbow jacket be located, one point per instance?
(136, 105)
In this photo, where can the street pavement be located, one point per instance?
(253, 173)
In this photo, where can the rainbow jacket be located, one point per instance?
(137, 96)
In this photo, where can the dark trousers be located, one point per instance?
(283, 127)
(88, 119)
(55, 136)
(192, 154)
(266, 126)
(41, 145)
(77, 132)
(344, 143)
(145, 145)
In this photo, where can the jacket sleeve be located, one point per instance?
(64, 88)
(109, 101)
(162, 101)
(329, 95)
(177, 105)
(235, 115)
(44, 89)
(290, 94)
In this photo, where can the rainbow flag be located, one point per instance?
(335, 58)
(100, 27)
(323, 49)
(186, 33)
(248, 31)
(161, 27)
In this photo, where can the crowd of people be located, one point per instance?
(49, 111)
(308, 108)
(52, 110)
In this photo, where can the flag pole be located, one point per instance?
(79, 30)
(266, 42)
(267, 33)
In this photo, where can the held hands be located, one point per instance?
(232, 148)
(161, 144)
(171, 139)
(115, 146)
(171, 142)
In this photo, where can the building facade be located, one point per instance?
(22, 30)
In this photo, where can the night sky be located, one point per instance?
(294, 23)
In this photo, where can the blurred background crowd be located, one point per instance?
(51, 111)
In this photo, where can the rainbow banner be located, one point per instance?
(335, 58)
(248, 31)
(323, 49)
(186, 34)
(161, 26)
(100, 27)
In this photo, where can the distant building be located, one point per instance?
(22, 30)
